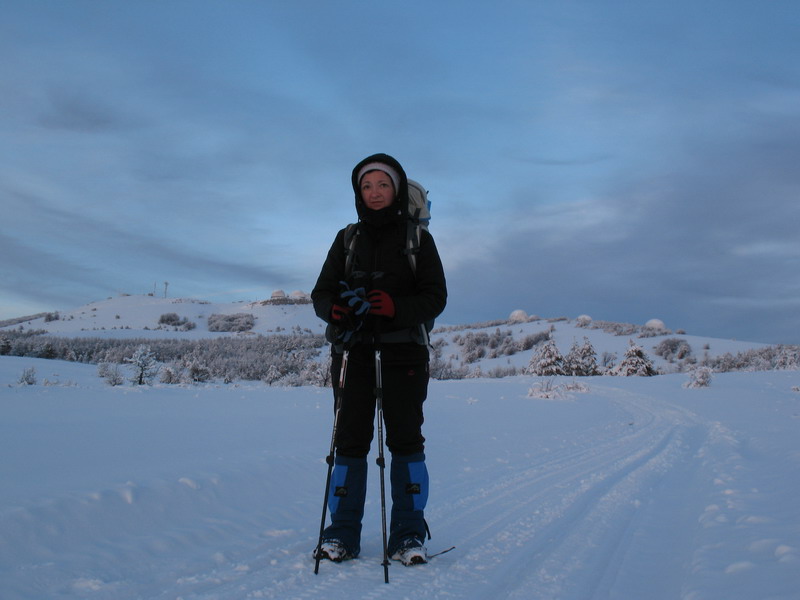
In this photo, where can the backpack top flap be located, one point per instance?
(419, 207)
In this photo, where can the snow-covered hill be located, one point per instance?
(139, 317)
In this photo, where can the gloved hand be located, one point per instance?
(343, 316)
(381, 304)
(355, 299)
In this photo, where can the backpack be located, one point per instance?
(419, 217)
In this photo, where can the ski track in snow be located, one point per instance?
(576, 501)
(593, 512)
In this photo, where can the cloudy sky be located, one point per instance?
(625, 160)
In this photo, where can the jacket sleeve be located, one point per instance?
(327, 289)
(430, 295)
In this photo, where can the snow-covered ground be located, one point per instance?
(636, 488)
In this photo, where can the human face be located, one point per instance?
(377, 190)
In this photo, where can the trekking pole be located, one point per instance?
(330, 458)
(381, 460)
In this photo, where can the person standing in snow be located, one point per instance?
(381, 300)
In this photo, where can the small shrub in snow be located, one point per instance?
(28, 376)
(608, 361)
(759, 359)
(618, 329)
(231, 323)
(170, 375)
(199, 373)
(111, 373)
(529, 341)
(114, 377)
(481, 344)
(473, 346)
(169, 319)
(546, 389)
(443, 370)
(500, 372)
(272, 375)
(787, 358)
(699, 378)
(173, 320)
(315, 373)
(673, 349)
(576, 386)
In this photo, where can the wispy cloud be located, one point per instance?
(579, 159)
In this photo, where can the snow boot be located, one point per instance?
(411, 552)
(333, 550)
(409, 480)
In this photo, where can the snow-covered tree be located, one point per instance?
(273, 374)
(635, 362)
(145, 366)
(547, 361)
(581, 361)
(572, 361)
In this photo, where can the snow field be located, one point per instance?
(638, 488)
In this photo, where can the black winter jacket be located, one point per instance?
(419, 297)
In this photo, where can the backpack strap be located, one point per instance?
(413, 239)
(350, 234)
(413, 242)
